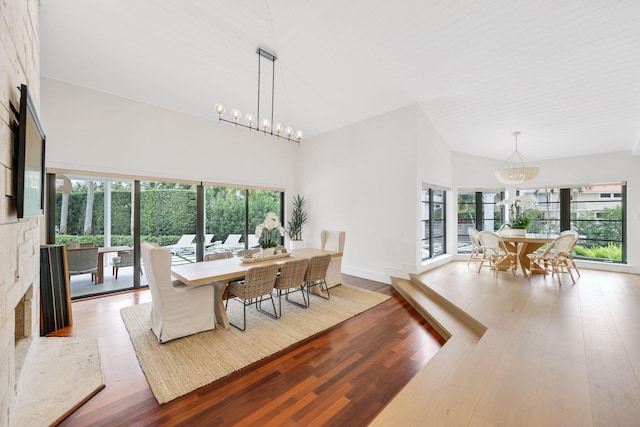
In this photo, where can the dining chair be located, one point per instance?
(218, 255)
(258, 283)
(476, 247)
(572, 263)
(333, 240)
(495, 252)
(177, 310)
(122, 259)
(82, 261)
(555, 257)
(316, 276)
(291, 277)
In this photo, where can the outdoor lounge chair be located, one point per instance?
(231, 243)
(186, 241)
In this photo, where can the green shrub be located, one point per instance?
(611, 251)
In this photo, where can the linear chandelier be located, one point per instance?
(518, 171)
(264, 125)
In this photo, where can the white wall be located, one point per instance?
(93, 131)
(366, 179)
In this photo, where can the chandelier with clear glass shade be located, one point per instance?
(519, 170)
(264, 124)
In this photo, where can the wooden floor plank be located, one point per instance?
(559, 355)
(311, 382)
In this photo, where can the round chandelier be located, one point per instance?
(518, 171)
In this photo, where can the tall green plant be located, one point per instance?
(298, 218)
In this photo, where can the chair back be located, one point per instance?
(317, 270)
(82, 260)
(253, 241)
(248, 253)
(331, 240)
(126, 259)
(292, 274)
(232, 239)
(218, 255)
(474, 236)
(258, 281)
(490, 240)
(157, 266)
(565, 244)
(185, 240)
(575, 234)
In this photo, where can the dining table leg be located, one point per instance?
(100, 270)
(524, 249)
(218, 294)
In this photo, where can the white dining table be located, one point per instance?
(218, 273)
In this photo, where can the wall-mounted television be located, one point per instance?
(29, 159)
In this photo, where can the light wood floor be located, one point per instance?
(525, 352)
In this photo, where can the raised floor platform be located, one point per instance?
(524, 352)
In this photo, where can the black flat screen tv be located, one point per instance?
(29, 158)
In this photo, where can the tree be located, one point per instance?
(64, 213)
(88, 216)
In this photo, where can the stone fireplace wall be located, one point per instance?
(19, 239)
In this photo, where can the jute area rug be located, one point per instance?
(180, 366)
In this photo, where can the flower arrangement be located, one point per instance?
(269, 231)
(517, 210)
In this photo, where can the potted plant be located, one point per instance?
(269, 233)
(518, 220)
(297, 219)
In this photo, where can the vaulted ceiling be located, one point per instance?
(564, 73)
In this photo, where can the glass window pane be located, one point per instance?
(598, 220)
(96, 211)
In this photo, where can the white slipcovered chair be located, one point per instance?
(177, 310)
(331, 240)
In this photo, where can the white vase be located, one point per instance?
(519, 232)
(267, 251)
(296, 244)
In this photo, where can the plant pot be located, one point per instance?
(514, 232)
(267, 251)
(296, 244)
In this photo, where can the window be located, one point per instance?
(477, 209)
(597, 212)
(599, 221)
(433, 240)
(545, 219)
(101, 212)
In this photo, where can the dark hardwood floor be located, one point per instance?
(342, 376)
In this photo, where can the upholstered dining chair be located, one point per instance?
(82, 261)
(495, 252)
(476, 247)
(258, 283)
(332, 240)
(218, 255)
(291, 278)
(316, 276)
(177, 310)
(123, 259)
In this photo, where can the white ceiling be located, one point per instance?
(564, 73)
